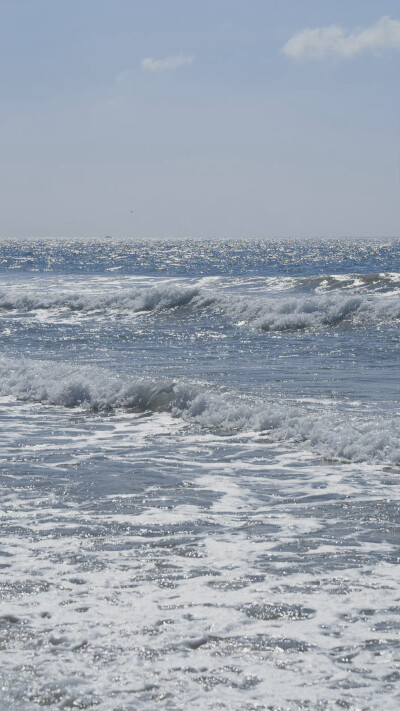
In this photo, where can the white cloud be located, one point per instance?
(334, 41)
(157, 65)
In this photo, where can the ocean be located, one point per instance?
(200, 459)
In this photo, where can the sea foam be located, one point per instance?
(261, 312)
(329, 431)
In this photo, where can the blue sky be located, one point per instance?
(192, 114)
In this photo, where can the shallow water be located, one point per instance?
(200, 475)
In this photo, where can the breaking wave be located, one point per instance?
(295, 313)
(330, 432)
(261, 312)
(375, 282)
(134, 300)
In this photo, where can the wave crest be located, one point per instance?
(261, 312)
(329, 432)
(133, 300)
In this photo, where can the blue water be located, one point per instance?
(199, 469)
(194, 258)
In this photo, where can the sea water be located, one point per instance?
(200, 460)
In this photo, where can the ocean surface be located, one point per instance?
(199, 470)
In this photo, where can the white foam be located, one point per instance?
(260, 311)
(296, 313)
(135, 300)
(330, 432)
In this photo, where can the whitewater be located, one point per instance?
(199, 471)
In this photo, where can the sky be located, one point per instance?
(199, 118)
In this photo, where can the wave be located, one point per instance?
(260, 312)
(296, 313)
(330, 433)
(375, 282)
(133, 300)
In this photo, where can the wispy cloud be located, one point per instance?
(334, 41)
(125, 75)
(157, 65)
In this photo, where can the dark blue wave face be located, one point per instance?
(201, 258)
